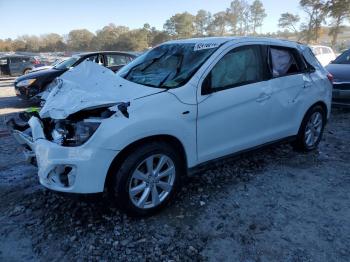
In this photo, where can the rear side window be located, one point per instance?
(15, 60)
(95, 58)
(343, 59)
(240, 66)
(115, 60)
(284, 62)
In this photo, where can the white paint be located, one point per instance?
(217, 124)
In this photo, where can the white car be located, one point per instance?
(324, 54)
(177, 107)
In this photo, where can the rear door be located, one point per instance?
(287, 84)
(15, 66)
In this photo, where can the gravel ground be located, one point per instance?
(273, 205)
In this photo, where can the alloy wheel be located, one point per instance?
(152, 181)
(313, 129)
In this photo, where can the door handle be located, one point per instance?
(263, 97)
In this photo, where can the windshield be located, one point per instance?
(67, 63)
(168, 65)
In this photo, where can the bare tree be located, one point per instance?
(317, 12)
(339, 11)
(257, 15)
(289, 21)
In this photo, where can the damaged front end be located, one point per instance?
(59, 138)
(57, 147)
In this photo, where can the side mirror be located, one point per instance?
(206, 85)
(3, 61)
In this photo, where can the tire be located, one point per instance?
(26, 71)
(132, 175)
(310, 134)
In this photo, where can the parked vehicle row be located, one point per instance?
(15, 65)
(34, 83)
(180, 106)
(340, 69)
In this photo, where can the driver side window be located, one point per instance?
(242, 65)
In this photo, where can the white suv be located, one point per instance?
(324, 54)
(178, 106)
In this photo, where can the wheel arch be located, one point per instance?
(321, 104)
(120, 157)
(318, 103)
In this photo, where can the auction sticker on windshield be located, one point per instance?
(202, 46)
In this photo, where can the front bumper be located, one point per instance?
(80, 169)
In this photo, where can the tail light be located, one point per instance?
(35, 62)
(330, 77)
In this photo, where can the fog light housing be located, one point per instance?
(62, 176)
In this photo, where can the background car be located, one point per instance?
(34, 83)
(340, 69)
(324, 54)
(15, 65)
(55, 63)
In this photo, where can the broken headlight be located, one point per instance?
(67, 133)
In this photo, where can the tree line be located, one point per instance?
(240, 18)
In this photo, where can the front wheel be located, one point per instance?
(311, 129)
(147, 179)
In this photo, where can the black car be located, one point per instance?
(31, 84)
(340, 69)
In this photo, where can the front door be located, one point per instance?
(235, 105)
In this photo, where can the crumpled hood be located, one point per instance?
(90, 85)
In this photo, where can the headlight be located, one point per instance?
(73, 134)
(25, 83)
(83, 131)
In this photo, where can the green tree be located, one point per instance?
(106, 38)
(289, 21)
(257, 15)
(201, 22)
(180, 25)
(218, 24)
(339, 11)
(52, 42)
(80, 39)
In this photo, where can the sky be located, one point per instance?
(37, 17)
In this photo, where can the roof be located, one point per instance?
(14, 55)
(224, 39)
(105, 52)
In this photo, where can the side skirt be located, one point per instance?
(202, 166)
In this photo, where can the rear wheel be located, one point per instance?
(26, 71)
(147, 179)
(311, 129)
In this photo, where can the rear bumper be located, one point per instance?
(341, 97)
(80, 169)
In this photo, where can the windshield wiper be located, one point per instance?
(164, 80)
